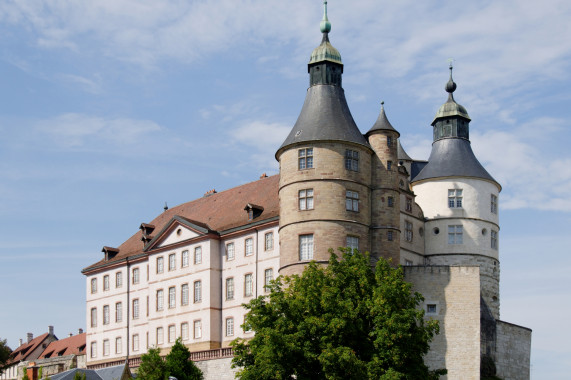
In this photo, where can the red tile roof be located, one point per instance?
(74, 345)
(22, 352)
(218, 211)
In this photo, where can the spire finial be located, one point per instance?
(450, 85)
(325, 24)
(382, 104)
(166, 207)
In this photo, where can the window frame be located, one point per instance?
(455, 198)
(160, 264)
(352, 160)
(351, 200)
(136, 308)
(269, 241)
(268, 279)
(172, 262)
(118, 345)
(161, 335)
(408, 204)
(350, 241)
(305, 158)
(185, 259)
(106, 283)
(94, 285)
(119, 279)
(248, 285)
(93, 350)
(160, 299)
(229, 326)
(198, 255)
(228, 251)
(172, 297)
(197, 293)
(310, 244)
(494, 204)
(306, 200)
(494, 239)
(106, 347)
(135, 342)
(230, 290)
(93, 318)
(118, 312)
(197, 326)
(455, 234)
(248, 246)
(390, 202)
(136, 276)
(184, 326)
(184, 294)
(171, 333)
(408, 231)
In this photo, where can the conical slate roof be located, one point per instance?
(382, 123)
(401, 153)
(325, 116)
(453, 158)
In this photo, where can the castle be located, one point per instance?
(187, 272)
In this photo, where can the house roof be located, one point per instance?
(24, 351)
(74, 345)
(218, 212)
(109, 373)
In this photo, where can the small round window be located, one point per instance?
(178, 232)
(436, 231)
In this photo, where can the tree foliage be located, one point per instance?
(179, 365)
(25, 374)
(152, 366)
(5, 352)
(342, 321)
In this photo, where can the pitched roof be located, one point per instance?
(74, 345)
(109, 373)
(217, 212)
(22, 352)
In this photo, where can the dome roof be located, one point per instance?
(451, 108)
(325, 52)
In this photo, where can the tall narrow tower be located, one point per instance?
(385, 195)
(460, 201)
(325, 169)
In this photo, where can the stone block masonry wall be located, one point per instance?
(217, 369)
(456, 293)
(513, 351)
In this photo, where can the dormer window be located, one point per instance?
(253, 211)
(109, 252)
(146, 231)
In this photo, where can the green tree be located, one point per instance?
(25, 372)
(5, 352)
(342, 321)
(179, 365)
(41, 372)
(79, 375)
(152, 366)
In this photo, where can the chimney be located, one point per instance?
(80, 331)
(30, 337)
(51, 330)
(264, 175)
(70, 335)
(21, 341)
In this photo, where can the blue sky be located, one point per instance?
(110, 108)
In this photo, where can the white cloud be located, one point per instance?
(73, 130)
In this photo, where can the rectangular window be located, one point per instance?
(198, 255)
(106, 314)
(389, 165)
(160, 265)
(389, 141)
(306, 247)
(408, 231)
(197, 291)
(184, 259)
(247, 327)
(160, 299)
(135, 275)
(106, 347)
(249, 247)
(248, 285)
(136, 308)
(269, 241)
(454, 234)
(431, 309)
(352, 200)
(172, 297)
(494, 204)
(268, 277)
(306, 199)
(391, 202)
(172, 261)
(93, 349)
(408, 206)
(184, 294)
(230, 251)
(352, 160)
(408, 263)
(118, 279)
(230, 288)
(136, 342)
(455, 198)
(352, 242)
(390, 235)
(160, 337)
(93, 285)
(172, 333)
(184, 331)
(94, 317)
(105, 283)
(229, 326)
(118, 345)
(494, 237)
(118, 312)
(197, 329)
(305, 158)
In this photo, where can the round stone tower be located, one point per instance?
(325, 170)
(385, 195)
(460, 201)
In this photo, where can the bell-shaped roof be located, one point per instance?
(325, 51)
(382, 123)
(451, 108)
